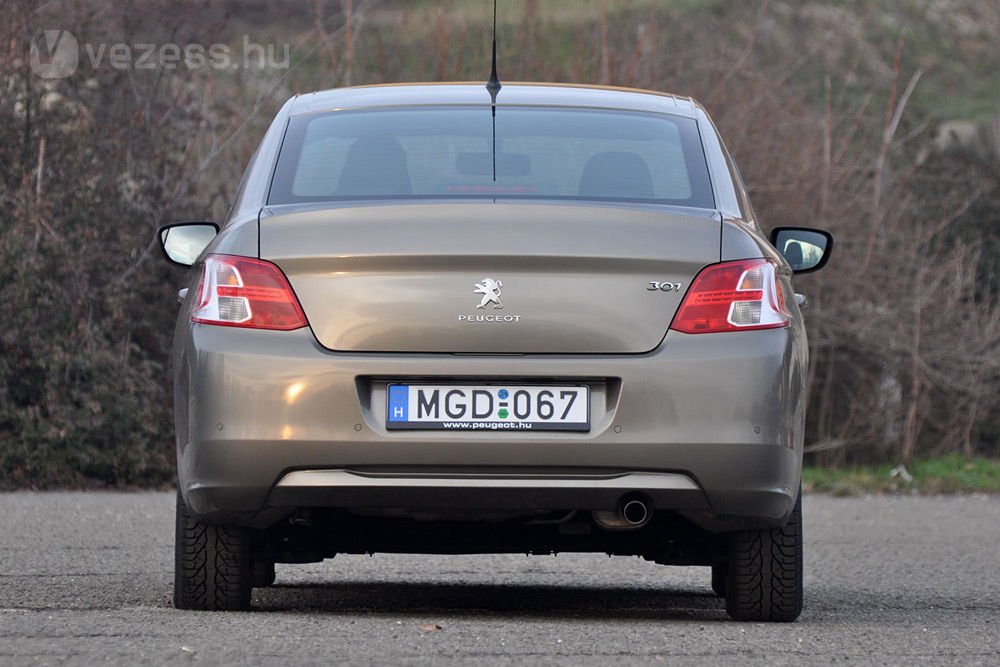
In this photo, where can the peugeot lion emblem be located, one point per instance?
(490, 289)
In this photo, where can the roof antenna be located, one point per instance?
(493, 87)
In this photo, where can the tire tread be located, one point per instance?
(764, 580)
(212, 565)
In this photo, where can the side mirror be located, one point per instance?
(804, 249)
(183, 242)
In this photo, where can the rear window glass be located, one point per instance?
(444, 152)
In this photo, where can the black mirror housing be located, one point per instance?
(804, 248)
(183, 242)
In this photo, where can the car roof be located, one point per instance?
(475, 93)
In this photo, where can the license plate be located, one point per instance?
(488, 407)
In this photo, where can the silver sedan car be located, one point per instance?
(440, 322)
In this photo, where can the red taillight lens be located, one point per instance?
(244, 292)
(733, 296)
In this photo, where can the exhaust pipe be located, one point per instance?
(634, 511)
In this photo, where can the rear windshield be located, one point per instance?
(454, 152)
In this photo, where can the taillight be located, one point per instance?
(733, 296)
(244, 292)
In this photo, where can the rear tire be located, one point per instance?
(764, 580)
(211, 565)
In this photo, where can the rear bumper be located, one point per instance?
(709, 426)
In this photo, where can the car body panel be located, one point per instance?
(741, 240)
(725, 190)
(575, 278)
(252, 193)
(513, 93)
(259, 404)
(239, 237)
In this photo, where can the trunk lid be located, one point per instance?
(489, 278)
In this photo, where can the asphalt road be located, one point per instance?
(86, 578)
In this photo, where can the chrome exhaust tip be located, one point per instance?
(634, 511)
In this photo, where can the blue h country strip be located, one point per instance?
(399, 403)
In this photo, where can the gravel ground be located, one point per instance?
(87, 577)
